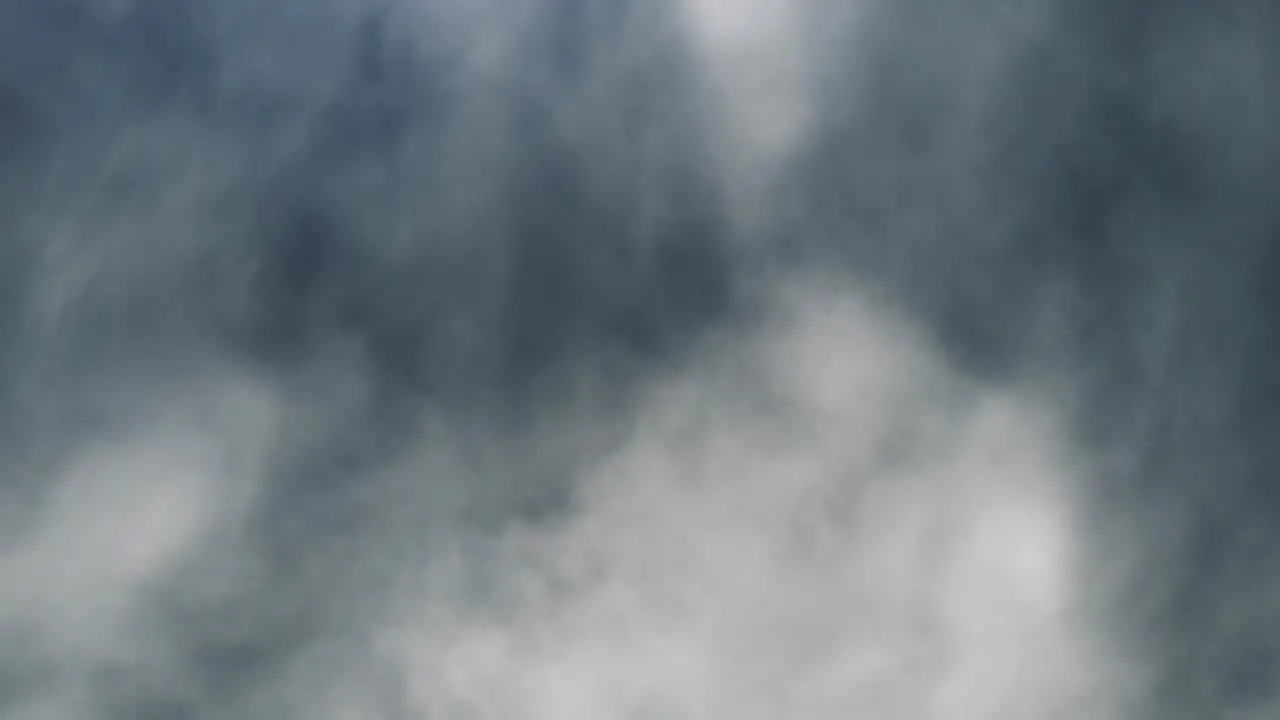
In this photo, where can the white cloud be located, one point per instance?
(759, 59)
(819, 522)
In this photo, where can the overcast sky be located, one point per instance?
(638, 359)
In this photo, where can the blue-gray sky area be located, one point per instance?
(639, 359)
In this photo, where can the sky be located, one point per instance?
(638, 360)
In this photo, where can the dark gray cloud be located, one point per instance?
(567, 358)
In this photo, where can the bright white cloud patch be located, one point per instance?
(754, 49)
(752, 55)
(760, 61)
(817, 522)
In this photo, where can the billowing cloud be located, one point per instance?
(816, 520)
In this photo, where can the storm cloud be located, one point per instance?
(436, 359)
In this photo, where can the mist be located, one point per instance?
(431, 359)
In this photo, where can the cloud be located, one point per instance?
(760, 64)
(151, 515)
(815, 520)
(754, 55)
(446, 359)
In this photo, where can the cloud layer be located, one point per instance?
(610, 359)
